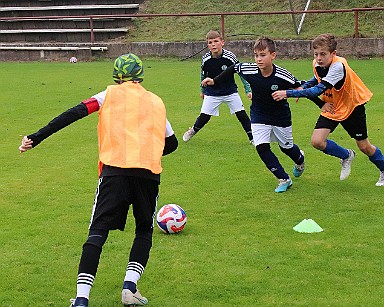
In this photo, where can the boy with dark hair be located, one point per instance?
(270, 120)
(344, 96)
(133, 134)
(213, 63)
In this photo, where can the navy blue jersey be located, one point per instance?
(212, 67)
(264, 109)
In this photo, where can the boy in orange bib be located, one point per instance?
(133, 135)
(344, 97)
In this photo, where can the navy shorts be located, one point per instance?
(355, 124)
(115, 194)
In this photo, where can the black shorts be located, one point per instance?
(355, 124)
(115, 194)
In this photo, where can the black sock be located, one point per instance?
(81, 301)
(130, 286)
(243, 118)
(201, 121)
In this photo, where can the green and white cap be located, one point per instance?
(128, 67)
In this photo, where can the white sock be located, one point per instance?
(84, 284)
(134, 271)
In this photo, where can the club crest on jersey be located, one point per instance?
(274, 87)
(224, 67)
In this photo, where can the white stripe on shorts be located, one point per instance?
(95, 201)
(267, 134)
(211, 104)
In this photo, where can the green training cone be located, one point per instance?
(308, 226)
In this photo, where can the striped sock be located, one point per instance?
(132, 275)
(84, 284)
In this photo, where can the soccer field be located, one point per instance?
(238, 247)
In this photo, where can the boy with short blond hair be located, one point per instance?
(270, 120)
(212, 64)
(345, 96)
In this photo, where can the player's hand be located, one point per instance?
(207, 81)
(279, 95)
(201, 95)
(328, 107)
(249, 95)
(26, 144)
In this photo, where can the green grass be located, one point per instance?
(252, 26)
(238, 247)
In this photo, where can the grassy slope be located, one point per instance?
(242, 27)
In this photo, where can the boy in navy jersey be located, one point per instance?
(270, 120)
(213, 63)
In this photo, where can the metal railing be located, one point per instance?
(222, 15)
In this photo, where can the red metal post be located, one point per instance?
(91, 27)
(357, 34)
(222, 26)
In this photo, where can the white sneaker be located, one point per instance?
(380, 183)
(189, 134)
(346, 165)
(132, 299)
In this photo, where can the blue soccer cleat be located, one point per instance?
(298, 169)
(284, 185)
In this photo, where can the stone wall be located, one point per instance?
(353, 47)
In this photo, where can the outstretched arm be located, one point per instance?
(171, 142)
(219, 78)
(324, 106)
(310, 83)
(247, 87)
(230, 71)
(202, 77)
(64, 119)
